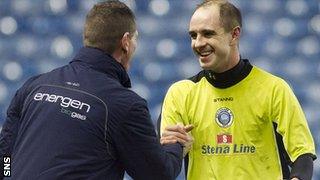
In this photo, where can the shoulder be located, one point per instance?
(262, 74)
(180, 89)
(265, 77)
(188, 83)
(134, 97)
(182, 85)
(270, 82)
(123, 99)
(126, 106)
(30, 83)
(44, 78)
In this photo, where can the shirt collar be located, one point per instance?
(231, 76)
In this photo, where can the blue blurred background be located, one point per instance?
(280, 36)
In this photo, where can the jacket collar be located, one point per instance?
(103, 62)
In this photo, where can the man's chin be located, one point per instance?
(205, 66)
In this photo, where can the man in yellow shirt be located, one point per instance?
(248, 124)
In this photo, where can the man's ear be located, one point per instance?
(235, 33)
(125, 41)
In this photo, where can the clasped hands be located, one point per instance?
(178, 133)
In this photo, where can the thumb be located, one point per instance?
(188, 127)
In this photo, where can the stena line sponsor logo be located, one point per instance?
(228, 149)
(65, 102)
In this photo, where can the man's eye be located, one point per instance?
(193, 36)
(208, 34)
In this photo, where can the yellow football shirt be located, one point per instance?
(234, 137)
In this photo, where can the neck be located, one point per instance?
(233, 60)
(120, 57)
(117, 55)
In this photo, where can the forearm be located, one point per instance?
(148, 160)
(170, 163)
(139, 148)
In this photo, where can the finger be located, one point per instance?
(172, 137)
(176, 134)
(162, 142)
(177, 128)
(182, 141)
(188, 127)
(190, 139)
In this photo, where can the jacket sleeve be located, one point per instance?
(10, 127)
(139, 149)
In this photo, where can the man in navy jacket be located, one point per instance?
(81, 121)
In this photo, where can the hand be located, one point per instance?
(294, 178)
(178, 133)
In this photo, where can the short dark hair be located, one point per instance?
(230, 15)
(106, 23)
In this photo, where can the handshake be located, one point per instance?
(178, 133)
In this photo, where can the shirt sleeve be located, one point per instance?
(291, 122)
(139, 148)
(174, 109)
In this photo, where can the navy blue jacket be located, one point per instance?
(81, 121)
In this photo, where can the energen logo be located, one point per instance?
(64, 101)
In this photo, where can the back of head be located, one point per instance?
(106, 23)
(230, 15)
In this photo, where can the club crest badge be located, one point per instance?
(224, 117)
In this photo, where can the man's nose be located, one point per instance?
(199, 42)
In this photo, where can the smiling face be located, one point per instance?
(209, 41)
